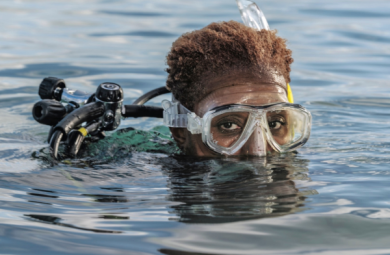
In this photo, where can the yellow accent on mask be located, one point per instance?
(290, 96)
(83, 131)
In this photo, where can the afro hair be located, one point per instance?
(219, 47)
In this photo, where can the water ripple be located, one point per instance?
(131, 194)
(346, 13)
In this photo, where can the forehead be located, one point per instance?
(241, 94)
(249, 94)
(239, 86)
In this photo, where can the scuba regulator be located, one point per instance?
(73, 115)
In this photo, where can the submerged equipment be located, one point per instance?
(73, 114)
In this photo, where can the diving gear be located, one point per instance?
(226, 129)
(73, 122)
(74, 115)
(151, 94)
(54, 88)
(251, 15)
(111, 95)
(49, 112)
(290, 96)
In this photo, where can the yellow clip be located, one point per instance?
(83, 131)
(290, 96)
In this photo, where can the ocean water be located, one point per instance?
(129, 195)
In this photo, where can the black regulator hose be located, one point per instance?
(151, 94)
(76, 137)
(55, 140)
(87, 113)
(136, 111)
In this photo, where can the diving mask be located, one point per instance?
(226, 129)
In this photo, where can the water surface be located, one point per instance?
(129, 195)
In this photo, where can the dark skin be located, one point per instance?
(233, 87)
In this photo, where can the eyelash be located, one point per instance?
(280, 120)
(224, 122)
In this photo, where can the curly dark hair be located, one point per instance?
(219, 47)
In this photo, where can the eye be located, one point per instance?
(275, 125)
(229, 126)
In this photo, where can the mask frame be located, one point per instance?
(176, 115)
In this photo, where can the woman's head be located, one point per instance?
(223, 64)
(220, 50)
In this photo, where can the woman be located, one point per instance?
(231, 94)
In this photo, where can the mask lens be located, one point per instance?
(287, 126)
(226, 128)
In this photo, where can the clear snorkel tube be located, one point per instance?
(251, 15)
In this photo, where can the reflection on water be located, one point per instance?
(206, 190)
(200, 191)
(216, 191)
(147, 192)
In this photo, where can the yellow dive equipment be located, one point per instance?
(83, 131)
(290, 96)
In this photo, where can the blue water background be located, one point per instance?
(332, 197)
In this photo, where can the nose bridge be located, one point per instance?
(256, 144)
(259, 117)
